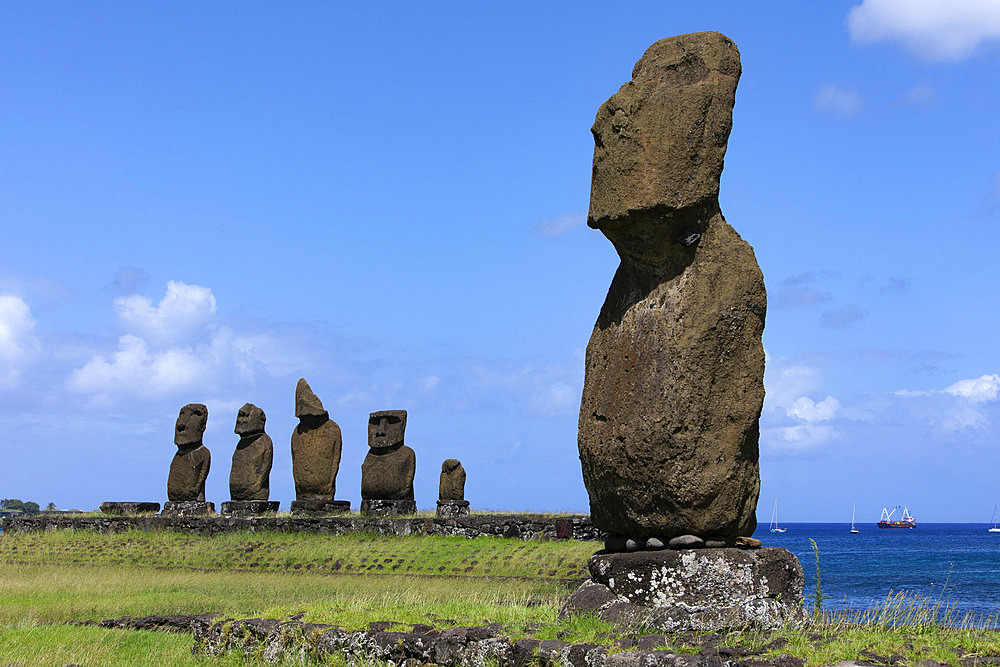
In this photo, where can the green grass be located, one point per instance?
(50, 579)
(280, 552)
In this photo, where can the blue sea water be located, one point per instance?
(954, 562)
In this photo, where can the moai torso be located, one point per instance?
(388, 470)
(452, 485)
(249, 478)
(316, 447)
(190, 465)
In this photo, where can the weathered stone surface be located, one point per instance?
(589, 597)
(190, 466)
(388, 507)
(250, 476)
(389, 467)
(748, 543)
(674, 387)
(516, 526)
(705, 589)
(249, 507)
(183, 508)
(452, 486)
(128, 507)
(316, 447)
(686, 542)
(320, 506)
(447, 509)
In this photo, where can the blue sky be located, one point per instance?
(203, 203)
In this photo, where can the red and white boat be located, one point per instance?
(904, 521)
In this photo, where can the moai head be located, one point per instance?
(190, 426)
(307, 404)
(450, 464)
(250, 419)
(385, 428)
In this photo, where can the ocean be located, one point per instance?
(954, 562)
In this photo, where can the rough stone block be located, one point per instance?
(698, 589)
(320, 506)
(447, 509)
(249, 507)
(372, 507)
(129, 507)
(187, 508)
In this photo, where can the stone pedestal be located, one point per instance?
(694, 589)
(187, 508)
(388, 507)
(249, 507)
(130, 507)
(320, 507)
(447, 509)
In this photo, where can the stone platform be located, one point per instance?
(249, 507)
(188, 508)
(130, 507)
(319, 507)
(450, 508)
(388, 507)
(694, 589)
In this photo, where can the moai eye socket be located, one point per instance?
(391, 419)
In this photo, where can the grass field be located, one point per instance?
(52, 579)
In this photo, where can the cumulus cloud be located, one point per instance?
(19, 346)
(183, 310)
(556, 227)
(794, 420)
(171, 348)
(836, 99)
(969, 404)
(978, 390)
(943, 30)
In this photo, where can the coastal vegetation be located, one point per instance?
(55, 580)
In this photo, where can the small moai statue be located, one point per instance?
(316, 449)
(388, 470)
(249, 479)
(451, 492)
(190, 466)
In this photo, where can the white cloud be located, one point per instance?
(807, 410)
(934, 29)
(837, 99)
(182, 311)
(977, 390)
(556, 227)
(19, 346)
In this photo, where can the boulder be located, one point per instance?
(316, 447)
(669, 419)
(249, 479)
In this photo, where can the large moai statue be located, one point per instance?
(249, 478)
(316, 449)
(451, 490)
(190, 466)
(389, 468)
(674, 370)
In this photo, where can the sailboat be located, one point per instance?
(854, 530)
(774, 519)
(995, 528)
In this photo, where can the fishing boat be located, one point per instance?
(854, 529)
(774, 519)
(904, 521)
(995, 528)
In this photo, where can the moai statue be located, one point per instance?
(388, 470)
(451, 492)
(316, 448)
(249, 479)
(189, 469)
